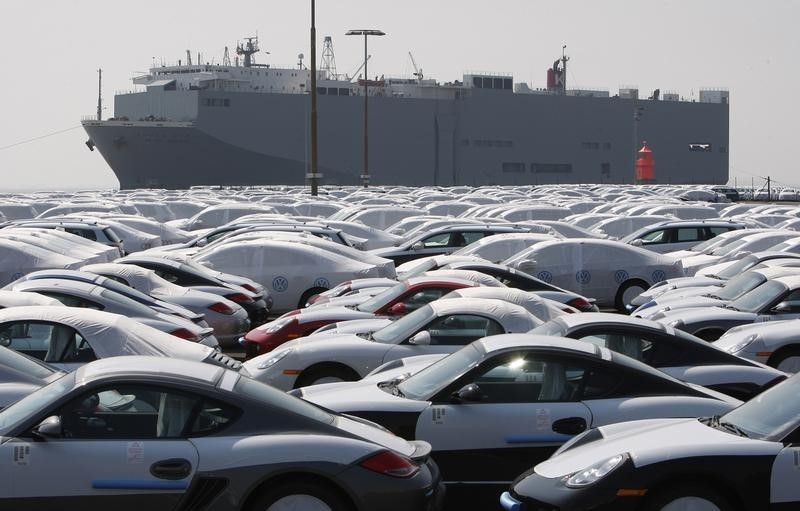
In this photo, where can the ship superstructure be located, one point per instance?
(242, 123)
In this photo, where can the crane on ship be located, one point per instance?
(417, 71)
(358, 70)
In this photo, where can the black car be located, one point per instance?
(256, 304)
(746, 459)
(443, 240)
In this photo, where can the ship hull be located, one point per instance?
(477, 139)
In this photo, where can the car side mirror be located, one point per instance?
(421, 339)
(397, 309)
(418, 246)
(527, 265)
(202, 242)
(206, 264)
(637, 242)
(471, 393)
(48, 428)
(5, 339)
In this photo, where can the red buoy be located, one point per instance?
(645, 166)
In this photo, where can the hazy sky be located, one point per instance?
(51, 50)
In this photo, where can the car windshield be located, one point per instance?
(407, 325)
(24, 364)
(34, 403)
(729, 248)
(738, 267)
(706, 245)
(432, 379)
(757, 299)
(770, 415)
(379, 300)
(419, 269)
(740, 285)
(263, 393)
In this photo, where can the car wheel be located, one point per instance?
(786, 359)
(325, 374)
(688, 497)
(629, 290)
(307, 496)
(308, 294)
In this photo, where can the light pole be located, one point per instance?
(366, 33)
(313, 174)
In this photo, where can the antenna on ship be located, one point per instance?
(226, 58)
(188, 57)
(99, 94)
(248, 50)
(328, 64)
(417, 72)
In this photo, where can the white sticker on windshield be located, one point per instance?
(135, 452)
(437, 414)
(22, 455)
(543, 420)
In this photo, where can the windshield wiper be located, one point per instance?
(733, 428)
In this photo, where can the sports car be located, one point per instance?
(774, 300)
(442, 326)
(495, 406)
(398, 300)
(674, 352)
(159, 434)
(744, 459)
(775, 343)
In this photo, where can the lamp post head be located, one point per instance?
(365, 32)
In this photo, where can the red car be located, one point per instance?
(397, 300)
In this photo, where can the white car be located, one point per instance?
(611, 272)
(502, 246)
(228, 319)
(776, 343)
(543, 308)
(68, 337)
(292, 272)
(442, 326)
(494, 407)
(756, 242)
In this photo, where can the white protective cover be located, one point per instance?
(111, 335)
(18, 259)
(542, 308)
(139, 278)
(502, 246)
(286, 269)
(19, 299)
(474, 276)
(514, 318)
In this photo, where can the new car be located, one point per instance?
(493, 407)
(775, 343)
(743, 459)
(442, 326)
(157, 432)
(674, 352)
(398, 300)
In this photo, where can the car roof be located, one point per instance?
(503, 342)
(153, 367)
(607, 318)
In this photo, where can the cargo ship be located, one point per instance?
(240, 122)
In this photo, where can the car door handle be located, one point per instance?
(570, 426)
(172, 469)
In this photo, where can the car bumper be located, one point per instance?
(423, 491)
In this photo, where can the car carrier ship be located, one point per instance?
(244, 123)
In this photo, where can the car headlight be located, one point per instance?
(740, 346)
(275, 358)
(276, 325)
(596, 472)
(647, 305)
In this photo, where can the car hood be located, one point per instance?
(654, 440)
(359, 396)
